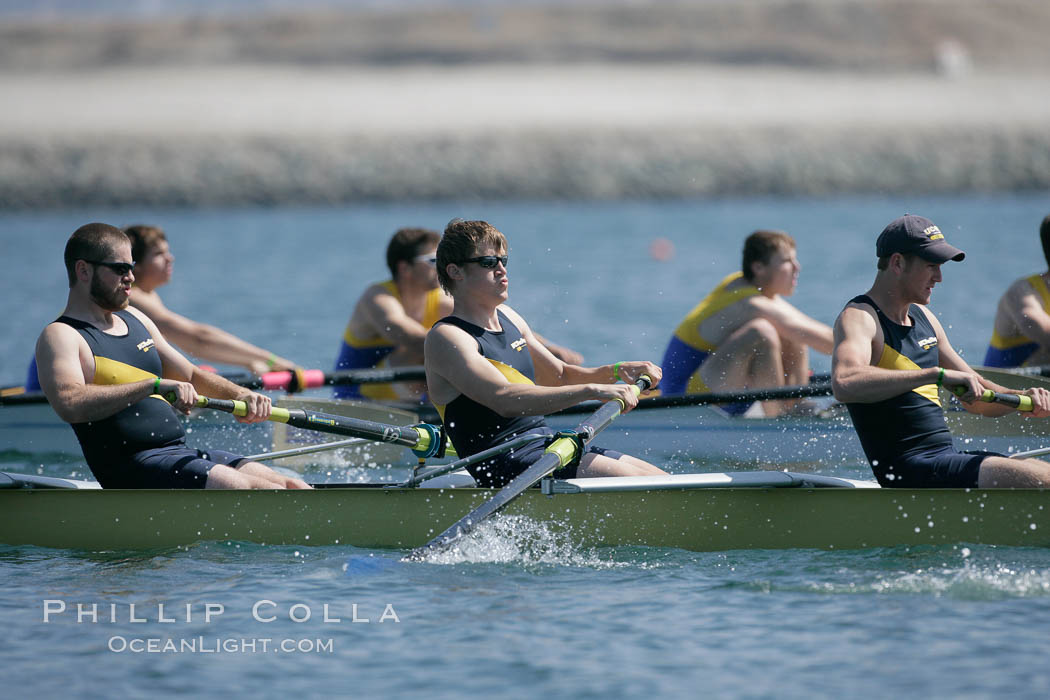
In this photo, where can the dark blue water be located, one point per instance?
(523, 613)
(581, 273)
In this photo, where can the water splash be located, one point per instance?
(971, 577)
(971, 581)
(515, 539)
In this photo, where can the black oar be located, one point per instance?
(717, 397)
(291, 381)
(565, 449)
(1033, 371)
(424, 439)
(299, 380)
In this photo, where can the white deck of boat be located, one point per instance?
(461, 479)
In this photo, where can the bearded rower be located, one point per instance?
(105, 369)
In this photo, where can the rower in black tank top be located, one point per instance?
(473, 427)
(141, 446)
(905, 438)
(121, 359)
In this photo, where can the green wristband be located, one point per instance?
(271, 360)
(940, 377)
(156, 385)
(616, 371)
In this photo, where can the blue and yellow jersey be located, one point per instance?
(688, 349)
(1014, 351)
(146, 424)
(472, 427)
(358, 353)
(910, 421)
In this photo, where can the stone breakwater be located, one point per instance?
(62, 171)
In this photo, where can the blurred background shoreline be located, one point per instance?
(335, 103)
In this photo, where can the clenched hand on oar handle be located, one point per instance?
(1021, 402)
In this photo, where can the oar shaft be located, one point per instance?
(415, 437)
(298, 380)
(720, 397)
(307, 449)
(1031, 453)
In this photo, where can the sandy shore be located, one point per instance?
(251, 134)
(288, 101)
(586, 100)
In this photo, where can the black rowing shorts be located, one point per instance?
(172, 467)
(939, 468)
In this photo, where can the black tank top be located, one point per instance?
(148, 423)
(471, 426)
(914, 420)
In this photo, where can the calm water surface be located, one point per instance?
(521, 612)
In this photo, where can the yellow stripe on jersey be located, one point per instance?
(509, 373)
(891, 359)
(512, 375)
(1000, 343)
(688, 330)
(109, 371)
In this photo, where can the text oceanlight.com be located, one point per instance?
(217, 645)
(164, 617)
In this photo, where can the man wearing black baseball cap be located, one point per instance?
(916, 235)
(890, 359)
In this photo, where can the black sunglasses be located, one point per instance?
(488, 261)
(120, 269)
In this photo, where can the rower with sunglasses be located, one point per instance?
(390, 320)
(106, 370)
(491, 379)
(154, 262)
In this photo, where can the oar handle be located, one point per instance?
(294, 380)
(641, 384)
(1018, 401)
(240, 408)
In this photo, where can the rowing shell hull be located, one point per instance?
(692, 519)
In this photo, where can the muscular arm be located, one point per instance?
(853, 378)
(795, 325)
(563, 353)
(455, 367)
(387, 316)
(205, 341)
(61, 355)
(552, 370)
